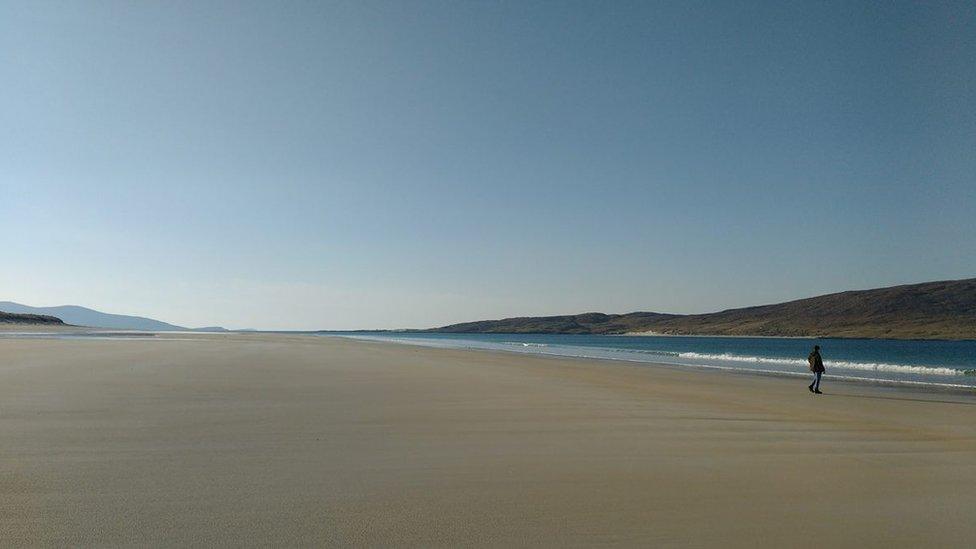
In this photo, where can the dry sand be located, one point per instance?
(290, 440)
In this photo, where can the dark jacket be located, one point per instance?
(816, 363)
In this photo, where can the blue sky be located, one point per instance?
(373, 164)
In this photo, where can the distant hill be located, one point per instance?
(83, 316)
(586, 323)
(931, 310)
(14, 318)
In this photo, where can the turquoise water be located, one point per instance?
(936, 363)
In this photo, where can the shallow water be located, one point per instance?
(936, 363)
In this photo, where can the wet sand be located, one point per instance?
(299, 440)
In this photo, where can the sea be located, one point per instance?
(936, 364)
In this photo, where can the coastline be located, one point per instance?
(865, 383)
(594, 353)
(965, 392)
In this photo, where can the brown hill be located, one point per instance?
(586, 323)
(931, 310)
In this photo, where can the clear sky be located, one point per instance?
(407, 164)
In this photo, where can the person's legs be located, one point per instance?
(816, 381)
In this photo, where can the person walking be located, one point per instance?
(817, 367)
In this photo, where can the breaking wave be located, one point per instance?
(842, 364)
(792, 363)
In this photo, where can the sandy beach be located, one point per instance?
(300, 440)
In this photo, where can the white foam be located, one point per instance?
(842, 364)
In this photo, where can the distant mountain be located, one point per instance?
(931, 310)
(83, 316)
(14, 318)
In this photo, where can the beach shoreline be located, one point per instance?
(846, 375)
(257, 439)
